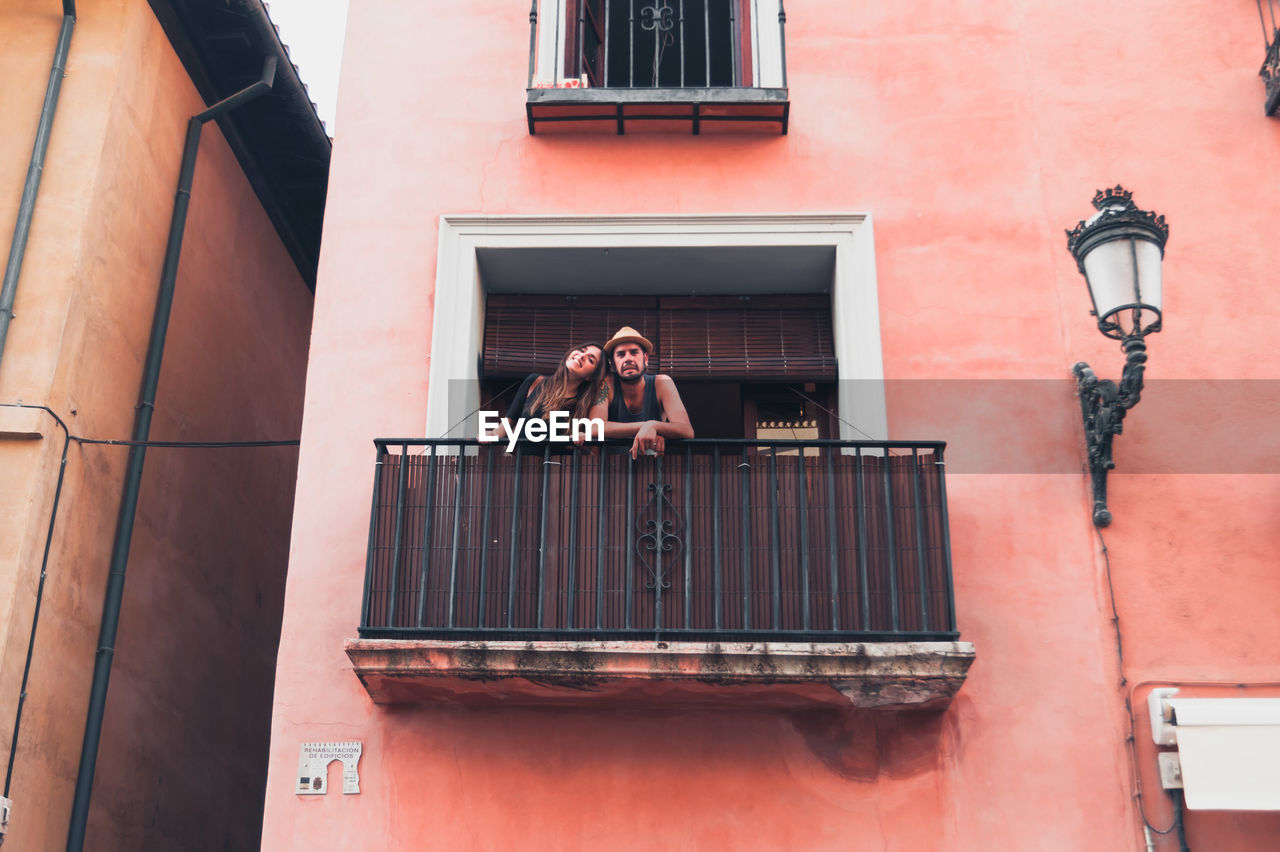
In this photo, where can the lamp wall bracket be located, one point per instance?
(1103, 405)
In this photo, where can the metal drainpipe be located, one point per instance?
(137, 455)
(30, 189)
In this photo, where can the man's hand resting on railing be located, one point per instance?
(648, 440)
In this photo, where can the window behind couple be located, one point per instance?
(759, 366)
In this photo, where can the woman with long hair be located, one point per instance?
(572, 387)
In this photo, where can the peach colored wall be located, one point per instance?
(974, 133)
(184, 741)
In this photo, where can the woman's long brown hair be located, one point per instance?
(558, 392)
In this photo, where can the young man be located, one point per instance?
(635, 405)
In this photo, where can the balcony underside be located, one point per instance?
(658, 110)
(902, 675)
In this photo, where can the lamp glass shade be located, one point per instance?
(1123, 275)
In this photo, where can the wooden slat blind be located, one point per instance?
(528, 334)
(760, 338)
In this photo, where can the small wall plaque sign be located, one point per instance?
(313, 766)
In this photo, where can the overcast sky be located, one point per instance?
(313, 31)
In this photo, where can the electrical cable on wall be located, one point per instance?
(1177, 823)
(468, 415)
(1128, 706)
(68, 439)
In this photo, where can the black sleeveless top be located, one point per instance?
(649, 408)
(520, 406)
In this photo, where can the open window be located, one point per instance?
(746, 366)
(485, 259)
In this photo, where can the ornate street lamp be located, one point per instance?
(1118, 251)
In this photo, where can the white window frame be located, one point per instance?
(457, 334)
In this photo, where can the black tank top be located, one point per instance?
(520, 406)
(649, 408)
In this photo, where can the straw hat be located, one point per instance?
(627, 334)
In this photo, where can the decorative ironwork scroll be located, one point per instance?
(659, 544)
(657, 17)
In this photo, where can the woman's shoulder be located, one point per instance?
(526, 387)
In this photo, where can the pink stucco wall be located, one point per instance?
(184, 740)
(973, 133)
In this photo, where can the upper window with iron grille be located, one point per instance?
(692, 64)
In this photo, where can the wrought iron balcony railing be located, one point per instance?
(700, 65)
(814, 541)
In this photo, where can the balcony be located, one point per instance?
(792, 571)
(625, 66)
(1270, 73)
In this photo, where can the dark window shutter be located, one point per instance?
(528, 334)
(760, 339)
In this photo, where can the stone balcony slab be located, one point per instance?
(899, 675)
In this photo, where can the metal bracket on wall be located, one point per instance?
(1103, 404)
